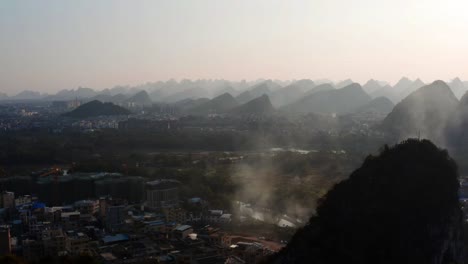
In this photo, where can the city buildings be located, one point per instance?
(162, 194)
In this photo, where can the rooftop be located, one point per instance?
(115, 238)
(163, 184)
(182, 228)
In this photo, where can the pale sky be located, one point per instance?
(53, 45)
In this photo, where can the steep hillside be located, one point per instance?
(339, 101)
(258, 106)
(423, 113)
(398, 207)
(218, 105)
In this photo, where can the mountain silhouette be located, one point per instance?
(141, 98)
(371, 86)
(262, 88)
(378, 106)
(187, 104)
(458, 87)
(457, 126)
(244, 97)
(97, 108)
(225, 89)
(304, 84)
(192, 93)
(424, 113)
(27, 95)
(400, 90)
(218, 105)
(286, 95)
(320, 88)
(343, 83)
(258, 106)
(339, 101)
(398, 207)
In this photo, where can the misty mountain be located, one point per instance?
(338, 101)
(371, 86)
(118, 98)
(102, 97)
(319, 88)
(385, 91)
(457, 125)
(399, 91)
(411, 88)
(66, 95)
(225, 89)
(322, 81)
(258, 106)
(424, 112)
(343, 83)
(244, 97)
(378, 106)
(186, 104)
(286, 95)
(304, 84)
(157, 95)
(257, 90)
(117, 90)
(261, 88)
(191, 93)
(141, 98)
(398, 207)
(3, 96)
(108, 98)
(458, 87)
(27, 95)
(218, 105)
(274, 85)
(405, 86)
(97, 108)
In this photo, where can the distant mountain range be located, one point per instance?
(192, 93)
(286, 95)
(258, 106)
(336, 101)
(378, 106)
(97, 108)
(425, 110)
(27, 95)
(319, 88)
(399, 91)
(244, 97)
(343, 83)
(141, 98)
(281, 93)
(218, 105)
(372, 86)
(80, 93)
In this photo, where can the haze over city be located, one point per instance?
(234, 132)
(54, 45)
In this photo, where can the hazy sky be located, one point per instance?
(52, 45)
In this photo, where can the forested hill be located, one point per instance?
(398, 207)
(97, 108)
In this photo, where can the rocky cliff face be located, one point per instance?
(398, 207)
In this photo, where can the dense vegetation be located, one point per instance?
(212, 175)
